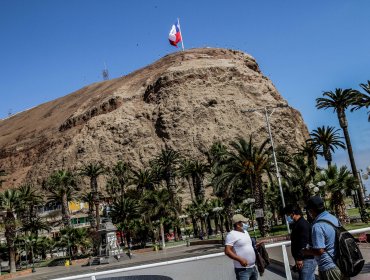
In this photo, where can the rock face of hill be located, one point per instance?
(186, 100)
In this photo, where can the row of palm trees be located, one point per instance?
(143, 200)
(340, 100)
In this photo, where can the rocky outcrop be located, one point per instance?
(186, 100)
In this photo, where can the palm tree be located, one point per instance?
(245, 166)
(88, 198)
(121, 175)
(310, 152)
(198, 171)
(93, 171)
(144, 179)
(217, 211)
(194, 171)
(44, 244)
(185, 172)
(338, 183)
(157, 204)
(2, 174)
(168, 161)
(326, 139)
(73, 238)
(339, 101)
(363, 99)
(199, 210)
(30, 200)
(123, 211)
(34, 225)
(298, 175)
(9, 202)
(62, 185)
(216, 153)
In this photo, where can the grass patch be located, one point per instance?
(354, 212)
(356, 226)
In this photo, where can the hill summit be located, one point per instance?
(186, 101)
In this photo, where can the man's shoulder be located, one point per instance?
(302, 222)
(327, 217)
(232, 232)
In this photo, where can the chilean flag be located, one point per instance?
(175, 35)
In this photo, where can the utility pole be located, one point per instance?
(267, 118)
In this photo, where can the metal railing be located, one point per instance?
(283, 245)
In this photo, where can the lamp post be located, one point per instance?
(183, 217)
(267, 118)
(250, 201)
(364, 176)
(33, 261)
(217, 210)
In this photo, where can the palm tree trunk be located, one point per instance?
(328, 157)
(200, 187)
(340, 207)
(353, 166)
(12, 259)
(209, 226)
(65, 211)
(190, 188)
(344, 126)
(10, 232)
(97, 215)
(162, 235)
(94, 189)
(195, 227)
(259, 202)
(91, 215)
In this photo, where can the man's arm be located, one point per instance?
(231, 254)
(313, 252)
(318, 242)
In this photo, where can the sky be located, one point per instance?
(52, 48)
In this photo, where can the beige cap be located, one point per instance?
(239, 218)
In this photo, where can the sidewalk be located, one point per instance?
(138, 259)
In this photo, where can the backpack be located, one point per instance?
(348, 256)
(262, 257)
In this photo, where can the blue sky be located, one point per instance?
(52, 48)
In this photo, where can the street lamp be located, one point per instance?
(267, 118)
(217, 210)
(316, 188)
(183, 217)
(250, 201)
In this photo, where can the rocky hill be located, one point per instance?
(186, 100)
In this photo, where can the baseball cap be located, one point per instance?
(315, 202)
(239, 218)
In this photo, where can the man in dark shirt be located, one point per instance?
(301, 238)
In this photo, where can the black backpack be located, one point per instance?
(348, 256)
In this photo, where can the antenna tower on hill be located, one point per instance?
(105, 73)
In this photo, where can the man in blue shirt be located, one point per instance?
(323, 240)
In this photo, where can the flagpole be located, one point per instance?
(182, 38)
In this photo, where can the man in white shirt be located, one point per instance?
(238, 246)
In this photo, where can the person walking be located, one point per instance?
(323, 240)
(300, 238)
(239, 247)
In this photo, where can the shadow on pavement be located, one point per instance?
(204, 249)
(366, 268)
